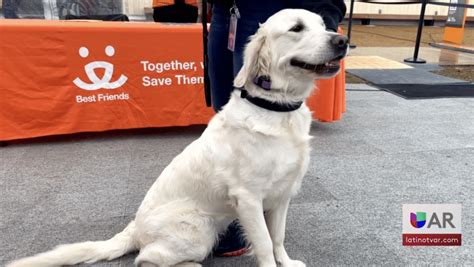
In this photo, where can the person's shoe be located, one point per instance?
(231, 243)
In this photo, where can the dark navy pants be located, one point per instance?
(10, 8)
(223, 63)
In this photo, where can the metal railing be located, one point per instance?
(421, 20)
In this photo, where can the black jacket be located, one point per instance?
(332, 11)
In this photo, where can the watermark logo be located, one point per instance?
(431, 225)
(418, 219)
(99, 83)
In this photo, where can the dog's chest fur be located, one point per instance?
(244, 148)
(270, 150)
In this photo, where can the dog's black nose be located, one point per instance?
(340, 42)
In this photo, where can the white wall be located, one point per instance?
(408, 9)
(136, 7)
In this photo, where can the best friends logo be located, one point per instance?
(431, 225)
(96, 82)
(99, 83)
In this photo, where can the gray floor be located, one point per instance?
(430, 54)
(387, 151)
(403, 76)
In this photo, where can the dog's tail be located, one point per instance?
(88, 252)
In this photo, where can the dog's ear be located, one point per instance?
(256, 59)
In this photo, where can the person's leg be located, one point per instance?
(231, 243)
(221, 63)
(185, 13)
(224, 64)
(252, 14)
(158, 14)
(179, 13)
(10, 9)
(220, 58)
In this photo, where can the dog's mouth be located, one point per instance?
(328, 68)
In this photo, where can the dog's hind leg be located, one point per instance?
(160, 254)
(184, 238)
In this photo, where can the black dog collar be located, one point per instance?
(263, 103)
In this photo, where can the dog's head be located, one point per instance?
(293, 48)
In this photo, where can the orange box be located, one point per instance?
(455, 35)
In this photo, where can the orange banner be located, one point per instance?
(59, 77)
(66, 77)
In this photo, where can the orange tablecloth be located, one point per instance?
(59, 77)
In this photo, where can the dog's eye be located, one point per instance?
(297, 28)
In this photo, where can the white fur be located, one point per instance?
(248, 160)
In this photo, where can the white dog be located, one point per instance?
(247, 164)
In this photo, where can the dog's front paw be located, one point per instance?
(293, 263)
